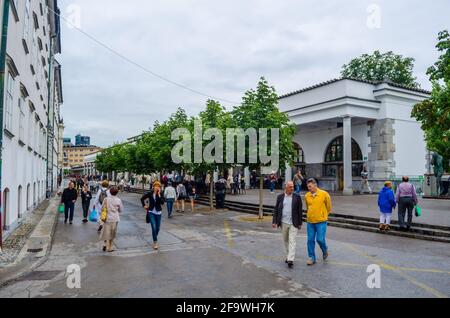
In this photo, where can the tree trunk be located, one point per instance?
(211, 192)
(261, 189)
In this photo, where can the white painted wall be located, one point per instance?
(410, 150)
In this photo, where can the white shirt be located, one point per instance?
(169, 193)
(287, 209)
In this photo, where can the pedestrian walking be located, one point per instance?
(365, 181)
(154, 210)
(102, 193)
(114, 207)
(298, 181)
(192, 198)
(318, 204)
(181, 197)
(68, 198)
(86, 197)
(406, 198)
(221, 190)
(288, 216)
(170, 195)
(272, 183)
(386, 202)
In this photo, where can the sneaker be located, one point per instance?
(290, 264)
(310, 262)
(65, 221)
(70, 222)
(325, 256)
(85, 221)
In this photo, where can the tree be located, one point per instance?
(259, 109)
(434, 113)
(382, 66)
(214, 116)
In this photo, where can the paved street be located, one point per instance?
(227, 254)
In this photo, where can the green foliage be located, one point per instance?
(259, 109)
(382, 66)
(434, 114)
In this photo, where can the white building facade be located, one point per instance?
(345, 124)
(31, 107)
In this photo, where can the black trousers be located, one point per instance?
(405, 204)
(85, 205)
(68, 210)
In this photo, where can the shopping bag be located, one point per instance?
(61, 208)
(418, 211)
(93, 216)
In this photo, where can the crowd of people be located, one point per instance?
(180, 193)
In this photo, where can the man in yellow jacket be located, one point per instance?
(318, 204)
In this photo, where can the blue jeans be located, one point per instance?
(272, 186)
(170, 206)
(155, 222)
(317, 232)
(298, 188)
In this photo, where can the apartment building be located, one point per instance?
(32, 97)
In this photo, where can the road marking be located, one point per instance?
(397, 270)
(228, 234)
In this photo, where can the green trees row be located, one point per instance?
(153, 151)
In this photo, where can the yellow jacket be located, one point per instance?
(318, 206)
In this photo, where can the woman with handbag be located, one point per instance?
(154, 210)
(111, 208)
(181, 196)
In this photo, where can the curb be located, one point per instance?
(41, 240)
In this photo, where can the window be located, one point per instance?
(335, 151)
(30, 128)
(9, 103)
(21, 119)
(36, 21)
(26, 20)
(334, 157)
(299, 154)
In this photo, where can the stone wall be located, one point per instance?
(382, 148)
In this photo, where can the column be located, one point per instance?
(216, 176)
(247, 177)
(347, 136)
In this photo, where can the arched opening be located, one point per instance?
(19, 202)
(334, 160)
(28, 196)
(34, 194)
(5, 211)
(299, 159)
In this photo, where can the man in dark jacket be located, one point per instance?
(288, 215)
(69, 197)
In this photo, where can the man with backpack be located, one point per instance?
(102, 193)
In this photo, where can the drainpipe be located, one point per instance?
(2, 99)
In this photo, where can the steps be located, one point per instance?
(418, 231)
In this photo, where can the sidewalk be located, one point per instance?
(434, 212)
(30, 243)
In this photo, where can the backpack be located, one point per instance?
(182, 191)
(102, 196)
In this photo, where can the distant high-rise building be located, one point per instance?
(82, 141)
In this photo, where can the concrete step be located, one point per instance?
(418, 231)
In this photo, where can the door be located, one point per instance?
(341, 178)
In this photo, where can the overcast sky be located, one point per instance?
(221, 48)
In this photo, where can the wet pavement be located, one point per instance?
(228, 254)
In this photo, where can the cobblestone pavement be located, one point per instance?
(18, 238)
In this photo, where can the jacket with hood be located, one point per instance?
(386, 200)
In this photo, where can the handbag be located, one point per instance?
(104, 214)
(147, 217)
(61, 208)
(418, 211)
(93, 216)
